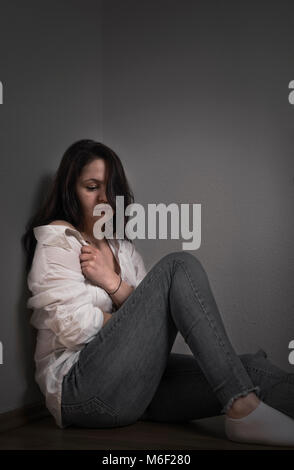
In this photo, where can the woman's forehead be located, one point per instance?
(94, 170)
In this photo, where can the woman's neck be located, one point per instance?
(93, 240)
(87, 233)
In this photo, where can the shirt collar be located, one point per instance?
(58, 234)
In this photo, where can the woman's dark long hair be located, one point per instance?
(61, 202)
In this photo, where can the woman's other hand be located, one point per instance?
(94, 268)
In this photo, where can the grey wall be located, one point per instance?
(50, 67)
(195, 102)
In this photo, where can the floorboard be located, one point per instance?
(201, 434)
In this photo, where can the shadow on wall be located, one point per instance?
(27, 333)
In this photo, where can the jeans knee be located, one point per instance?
(185, 256)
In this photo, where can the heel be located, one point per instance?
(264, 425)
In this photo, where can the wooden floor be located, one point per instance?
(202, 434)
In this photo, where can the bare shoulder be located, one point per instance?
(62, 222)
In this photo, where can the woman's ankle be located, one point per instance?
(242, 406)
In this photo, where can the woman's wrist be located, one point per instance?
(120, 292)
(113, 284)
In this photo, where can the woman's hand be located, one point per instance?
(94, 268)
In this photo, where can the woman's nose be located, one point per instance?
(102, 201)
(101, 196)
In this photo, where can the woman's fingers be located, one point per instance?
(88, 249)
(84, 264)
(86, 256)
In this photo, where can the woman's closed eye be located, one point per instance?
(91, 188)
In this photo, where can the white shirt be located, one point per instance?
(67, 307)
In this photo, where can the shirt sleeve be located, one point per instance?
(62, 298)
(139, 265)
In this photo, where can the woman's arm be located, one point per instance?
(107, 317)
(119, 297)
(94, 269)
(125, 289)
(122, 293)
(60, 298)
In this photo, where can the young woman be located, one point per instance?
(106, 327)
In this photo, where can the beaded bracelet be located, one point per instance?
(111, 293)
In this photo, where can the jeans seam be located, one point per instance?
(264, 372)
(210, 321)
(85, 406)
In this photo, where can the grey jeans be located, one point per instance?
(128, 373)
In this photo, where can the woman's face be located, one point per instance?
(91, 189)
